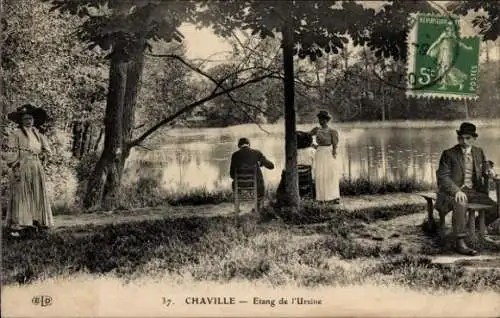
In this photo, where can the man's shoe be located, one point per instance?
(462, 248)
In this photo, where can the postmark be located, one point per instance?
(440, 62)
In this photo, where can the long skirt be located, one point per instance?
(29, 202)
(326, 175)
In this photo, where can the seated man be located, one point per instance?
(462, 177)
(246, 156)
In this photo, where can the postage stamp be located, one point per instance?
(440, 62)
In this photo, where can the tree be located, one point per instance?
(126, 29)
(311, 29)
(307, 29)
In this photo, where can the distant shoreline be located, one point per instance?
(278, 128)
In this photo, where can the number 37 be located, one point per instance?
(166, 301)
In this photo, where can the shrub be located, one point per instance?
(62, 182)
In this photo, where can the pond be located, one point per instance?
(187, 159)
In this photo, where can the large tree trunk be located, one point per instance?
(125, 76)
(291, 197)
(134, 77)
(105, 180)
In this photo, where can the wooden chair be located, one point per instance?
(245, 187)
(306, 185)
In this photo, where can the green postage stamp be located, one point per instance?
(440, 62)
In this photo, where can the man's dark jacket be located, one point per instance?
(450, 175)
(246, 156)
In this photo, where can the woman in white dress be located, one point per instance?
(326, 172)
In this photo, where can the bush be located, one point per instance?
(62, 181)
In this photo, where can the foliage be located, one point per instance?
(167, 85)
(319, 26)
(38, 53)
(109, 23)
(486, 18)
(353, 89)
(62, 182)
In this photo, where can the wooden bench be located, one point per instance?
(245, 188)
(472, 208)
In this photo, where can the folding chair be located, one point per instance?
(245, 187)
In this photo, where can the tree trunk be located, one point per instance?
(125, 76)
(290, 198)
(85, 139)
(134, 77)
(104, 182)
(77, 137)
(99, 138)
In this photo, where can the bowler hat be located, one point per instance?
(324, 114)
(467, 129)
(39, 115)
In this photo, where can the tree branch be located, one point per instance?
(183, 61)
(218, 83)
(254, 121)
(190, 107)
(231, 97)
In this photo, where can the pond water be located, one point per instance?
(186, 159)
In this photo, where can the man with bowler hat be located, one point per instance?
(462, 177)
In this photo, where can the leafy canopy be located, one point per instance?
(319, 26)
(488, 21)
(110, 23)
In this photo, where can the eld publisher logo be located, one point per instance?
(43, 301)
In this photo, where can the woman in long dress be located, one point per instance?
(326, 172)
(443, 50)
(29, 204)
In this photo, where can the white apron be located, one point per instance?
(327, 175)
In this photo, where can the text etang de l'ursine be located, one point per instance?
(254, 300)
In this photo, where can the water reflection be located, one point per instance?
(203, 160)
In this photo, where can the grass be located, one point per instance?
(147, 192)
(214, 249)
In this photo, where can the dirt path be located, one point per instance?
(403, 230)
(223, 209)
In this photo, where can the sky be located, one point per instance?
(203, 43)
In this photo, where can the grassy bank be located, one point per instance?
(213, 249)
(148, 193)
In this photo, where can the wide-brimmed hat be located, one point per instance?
(467, 129)
(39, 115)
(324, 114)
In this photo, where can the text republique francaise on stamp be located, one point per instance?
(440, 62)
